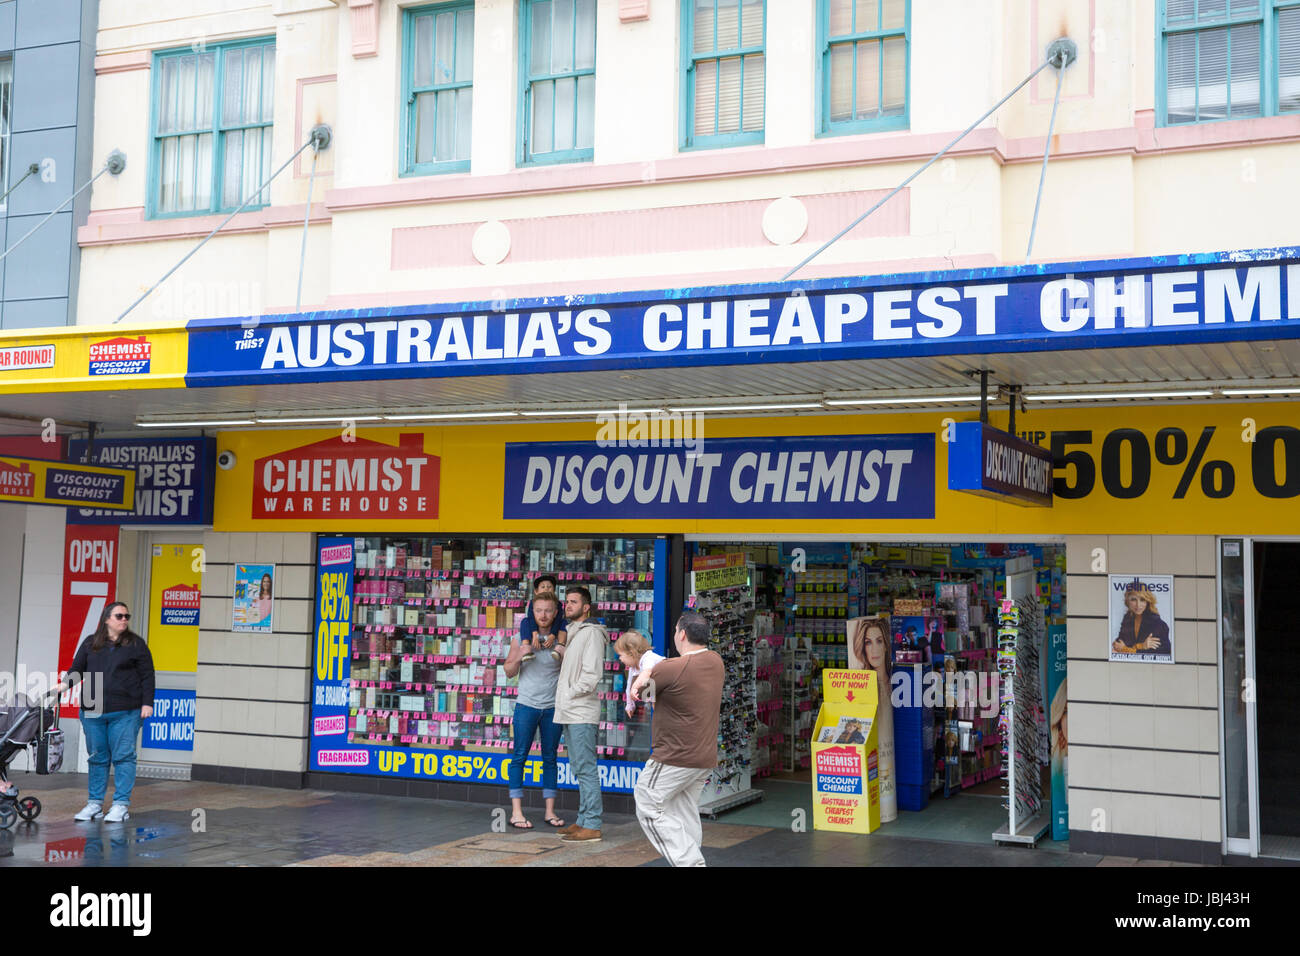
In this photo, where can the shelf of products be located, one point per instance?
(726, 600)
(433, 622)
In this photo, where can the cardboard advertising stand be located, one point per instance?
(846, 779)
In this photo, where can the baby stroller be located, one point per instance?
(32, 726)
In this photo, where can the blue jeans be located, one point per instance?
(528, 720)
(112, 737)
(581, 741)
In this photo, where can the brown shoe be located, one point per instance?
(565, 831)
(582, 835)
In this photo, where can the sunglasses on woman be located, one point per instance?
(121, 617)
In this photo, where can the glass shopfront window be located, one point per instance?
(431, 621)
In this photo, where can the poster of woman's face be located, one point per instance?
(869, 643)
(1142, 618)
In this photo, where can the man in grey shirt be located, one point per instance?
(534, 712)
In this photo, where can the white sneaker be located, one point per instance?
(116, 813)
(90, 811)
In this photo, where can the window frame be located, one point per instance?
(825, 125)
(687, 139)
(407, 146)
(218, 131)
(6, 132)
(1269, 60)
(523, 156)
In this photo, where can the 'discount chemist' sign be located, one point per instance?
(841, 476)
(1226, 296)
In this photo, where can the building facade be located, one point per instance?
(509, 158)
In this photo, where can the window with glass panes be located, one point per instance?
(1228, 59)
(863, 71)
(559, 81)
(212, 115)
(439, 80)
(725, 64)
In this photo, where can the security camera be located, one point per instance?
(226, 460)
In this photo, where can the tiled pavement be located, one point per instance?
(207, 824)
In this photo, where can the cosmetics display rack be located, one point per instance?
(433, 622)
(727, 603)
(769, 735)
(1020, 624)
(819, 600)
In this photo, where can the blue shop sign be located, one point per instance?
(174, 479)
(172, 725)
(996, 464)
(838, 476)
(1167, 300)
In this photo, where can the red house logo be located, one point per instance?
(348, 479)
(121, 356)
(17, 480)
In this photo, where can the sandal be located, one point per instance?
(521, 824)
(554, 822)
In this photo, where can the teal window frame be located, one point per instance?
(1270, 54)
(524, 155)
(825, 125)
(410, 91)
(217, 129)
(690, 62)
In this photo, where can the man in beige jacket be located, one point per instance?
(578, 709)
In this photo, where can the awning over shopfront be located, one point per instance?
(1185, 327)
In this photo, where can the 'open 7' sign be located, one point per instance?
(90, 555)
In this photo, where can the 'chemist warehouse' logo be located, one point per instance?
(17, 480)
(180, 605)
(121, 356)
(348, 479)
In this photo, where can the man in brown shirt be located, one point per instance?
(687, 696)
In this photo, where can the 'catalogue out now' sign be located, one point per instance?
(839, 476)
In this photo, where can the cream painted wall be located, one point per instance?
(1246, 198)
(253, 690)
(636, 122)
(1103, 226)
(225, 278)
(496, 44)
(790, 117)
(957, 49)
(1144, 738)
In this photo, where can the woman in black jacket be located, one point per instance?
(119, 684)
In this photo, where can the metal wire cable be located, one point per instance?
(1047, 151)
(306, 217)
(933, 159)
(31, 170)
(57, 210)
(251, 196)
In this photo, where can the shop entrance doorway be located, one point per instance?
(1277, 672)
(940, 601)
